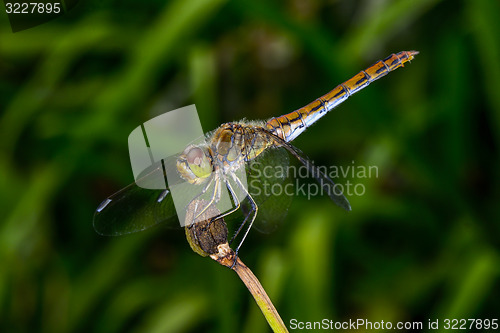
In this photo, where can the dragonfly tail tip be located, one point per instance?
(413, 53)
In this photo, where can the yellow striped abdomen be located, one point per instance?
(291, 125)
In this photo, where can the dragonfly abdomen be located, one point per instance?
(291, 125)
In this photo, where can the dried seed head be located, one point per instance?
(205, 236)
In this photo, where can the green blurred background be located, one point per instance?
(421, 243)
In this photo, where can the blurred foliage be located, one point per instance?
(421, 243)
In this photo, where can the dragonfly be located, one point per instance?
(214, 165)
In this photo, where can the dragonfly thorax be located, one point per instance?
(195, 164)
(233, 144)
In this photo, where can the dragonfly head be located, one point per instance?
(195, 164)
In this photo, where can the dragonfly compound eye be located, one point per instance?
(194, 165)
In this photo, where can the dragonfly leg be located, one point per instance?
(229, 212)
(203, 191)
(214, 198)
(235, 199)
(239, 228)
(195, 199)
(255, 209)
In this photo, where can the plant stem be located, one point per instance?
(260, 296)
(226, 257)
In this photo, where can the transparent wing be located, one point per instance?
(135, 208)
(270, 187)
(328, 186)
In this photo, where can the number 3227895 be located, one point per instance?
(32, 8)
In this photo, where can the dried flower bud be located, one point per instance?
(204, 237)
